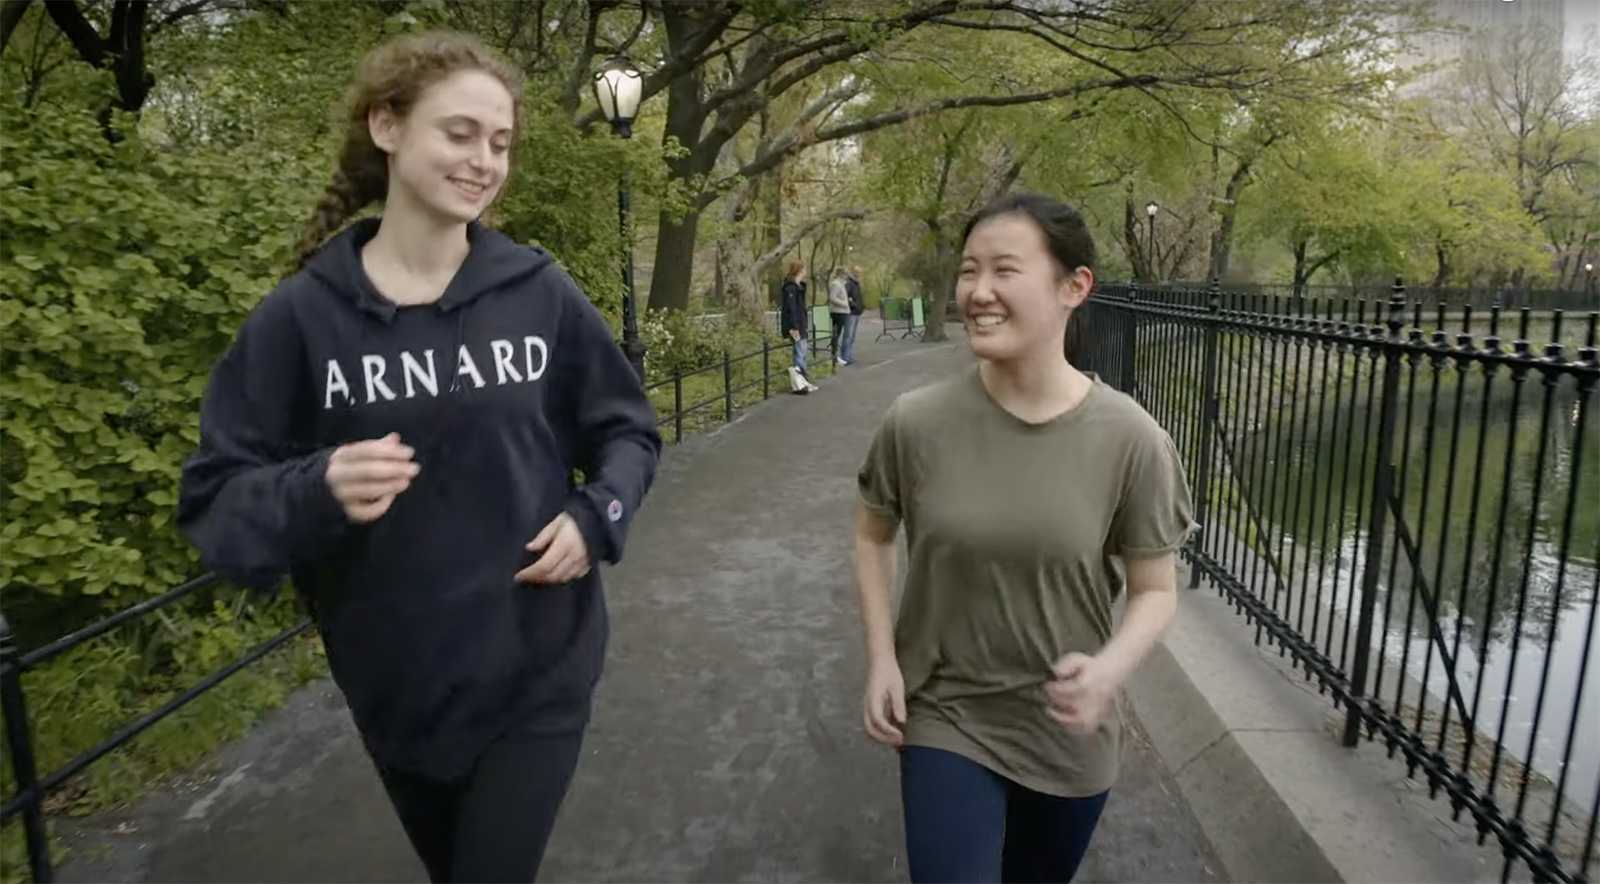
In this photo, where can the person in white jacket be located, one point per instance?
(839, 312)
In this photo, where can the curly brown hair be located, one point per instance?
(393, 77)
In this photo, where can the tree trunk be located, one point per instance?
(1304, 269)
(938, 274)
(946, 257)
(719, 283)
(1222, 237)
(674, 268)
(769, 195)
(736, 275)
(741, 289)
(1137, 254)
(1300, 273)
(673, 274)
(1443, 272)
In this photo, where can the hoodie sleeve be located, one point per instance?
(617, 444)
(253, 498)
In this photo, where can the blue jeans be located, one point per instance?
(799, 355)
(847, 351)
(967, 823)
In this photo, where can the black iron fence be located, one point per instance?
(1585, 296)
(696, 396)
(715, 390)
(1404, 497)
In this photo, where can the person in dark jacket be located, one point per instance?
(852, 324)
(793, 312)
(396, 427)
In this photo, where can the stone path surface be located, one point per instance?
(726, 743)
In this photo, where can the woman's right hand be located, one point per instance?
(365, 477)
(884, 706)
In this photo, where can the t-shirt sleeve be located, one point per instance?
(881, 478)
(1156, 514)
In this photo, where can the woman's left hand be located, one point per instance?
(563, 556)
(1081, 693)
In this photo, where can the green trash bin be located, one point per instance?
(821, 327)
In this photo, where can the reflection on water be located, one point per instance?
(1485, 675)
(1499, 531)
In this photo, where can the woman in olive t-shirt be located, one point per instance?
(1032, 495)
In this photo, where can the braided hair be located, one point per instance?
(392, 77)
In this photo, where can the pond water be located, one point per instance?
(1499, 497)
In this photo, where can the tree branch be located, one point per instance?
(11, 13)
(1317, 264)
(187, 10)
(572, 90)
(80, 33)
(791, 142)
(788, 245)
(638, 30)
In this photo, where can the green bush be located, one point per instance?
(124, 271)
(679, 341)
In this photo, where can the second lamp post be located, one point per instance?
(1152, 209)
(618, 87)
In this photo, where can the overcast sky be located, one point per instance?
(1583, 21)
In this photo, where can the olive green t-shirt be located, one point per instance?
(1014, 532)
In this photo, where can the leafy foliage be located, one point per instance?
(125, 271)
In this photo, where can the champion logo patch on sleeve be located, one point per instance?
(614, 511)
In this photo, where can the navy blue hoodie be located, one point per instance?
(504, 386)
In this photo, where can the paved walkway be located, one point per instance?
(726, 744)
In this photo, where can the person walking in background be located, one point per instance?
(838, 313)
(396, 427)
(792, 314)
(1033, 495)
(858, 304)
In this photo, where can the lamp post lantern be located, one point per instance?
(1588, 278)
(1151, 209)
(618, 87)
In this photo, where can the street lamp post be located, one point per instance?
(619, 88)
(1588, 278)
(1150, 210)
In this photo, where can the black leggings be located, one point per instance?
(493, 825)
(967, 823)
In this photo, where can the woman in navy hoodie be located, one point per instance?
(397, 427)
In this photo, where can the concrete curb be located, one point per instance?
(1251, 747)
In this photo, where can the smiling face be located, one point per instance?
(1014, 295)
(450, 155)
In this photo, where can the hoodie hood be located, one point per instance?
(494, 260)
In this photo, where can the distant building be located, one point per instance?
(1476, 19)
